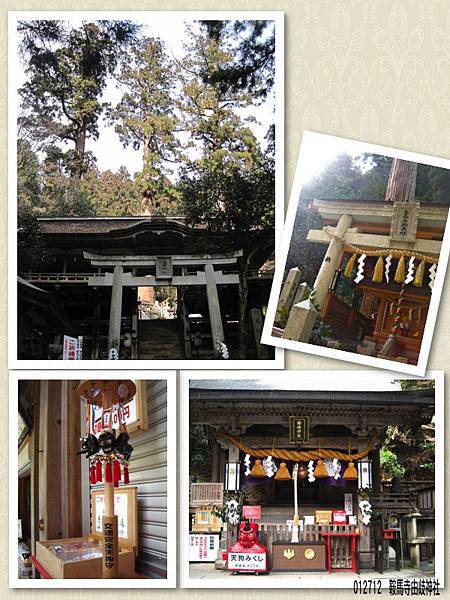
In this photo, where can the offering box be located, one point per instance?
(81, 558)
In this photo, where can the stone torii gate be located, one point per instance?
(164, 267)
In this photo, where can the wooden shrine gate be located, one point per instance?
(174, 270)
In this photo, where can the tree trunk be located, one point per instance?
(146, 200)
(80, 149)
(401, 186)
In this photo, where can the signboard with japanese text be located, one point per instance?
(70, 348)
(251, 512)
(348, 504)
(339, 517)
(251, 561)
(133, 414)
(298, 430)
(405, 217)
(120, 510)
(203, 547)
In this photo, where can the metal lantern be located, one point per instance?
(232, 477)
(365, 474)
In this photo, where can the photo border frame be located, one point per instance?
(280, 264)
(324, 379)
(171, 581)
(13, 16)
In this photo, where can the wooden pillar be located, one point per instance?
(35, 457)
(331, 261)
(73, 462)
(110, 536)
(115, 312)
(50, 523)
(109, 524)
(216, 463)
(374, 456)
(96, 329)
(215, 317)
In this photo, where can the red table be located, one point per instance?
(352, 538)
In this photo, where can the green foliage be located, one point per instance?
(230, 186)
(390, 465)
(410, 450)
(67, 70)
(145, 119)
(112, 194)
(365, 178)
(28, 176)
(167, 110)
(200, 456)
(417, 384)
(30, 241)
(253, 67)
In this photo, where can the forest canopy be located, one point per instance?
(191, 117)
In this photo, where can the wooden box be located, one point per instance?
(301, 556)
(81, 558)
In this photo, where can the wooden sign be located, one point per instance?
(164, 267)
(126, 510)
(251, 512)
(405, 217)
(206, 520)
(298, 430)
(323, 517)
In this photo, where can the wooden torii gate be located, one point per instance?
(163, 267)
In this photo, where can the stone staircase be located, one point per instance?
(160, 340)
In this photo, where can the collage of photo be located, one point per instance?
(147, 227)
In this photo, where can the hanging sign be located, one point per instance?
(251, 512)
(133, 414)
(72, 348)
(348, 504)
(203, 547)
(339, 517)
(298, 430)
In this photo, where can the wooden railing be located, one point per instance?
(401, 502)
(60, 277)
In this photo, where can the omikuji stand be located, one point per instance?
(110, 396)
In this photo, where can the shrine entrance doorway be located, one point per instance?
(178, 314)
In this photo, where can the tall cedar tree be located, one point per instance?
(67, 70)
(145, 119)
(229, 186)
(225, 186)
